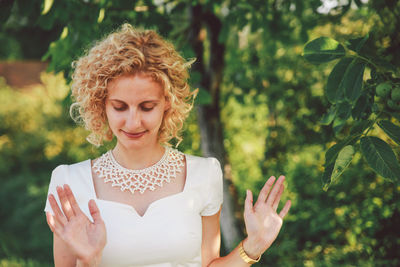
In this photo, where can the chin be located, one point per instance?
(137, 143)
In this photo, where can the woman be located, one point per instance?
(144, 203)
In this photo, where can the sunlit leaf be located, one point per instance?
(380, 157)
(342, 161)
(334, 170)
(332, 153)
(47, 6)
(322, 50)
(392, 130)
(338, 125)
(101, 15)
(328, 117)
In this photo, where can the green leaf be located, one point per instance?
(357, 43)
(352, 81)
(395, 115)
(338, 125)
(380, 157)
(332, 153)
(360, 106)
(360, 126)
(343, 110)
(323, 49)
(328, 117)
(330, 159)
(392, 130)
(342, 162)
(333, 88)
(326, 178)
(359, 3)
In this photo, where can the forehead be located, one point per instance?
(134, 87)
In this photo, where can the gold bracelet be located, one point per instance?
(246, 257)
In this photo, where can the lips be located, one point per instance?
(134, 135)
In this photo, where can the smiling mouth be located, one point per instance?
(134, 135)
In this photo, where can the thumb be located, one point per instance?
(95, 212)
(248, 204)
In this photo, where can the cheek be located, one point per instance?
(153, 119)
(113, 118)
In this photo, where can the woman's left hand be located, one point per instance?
(262, 221)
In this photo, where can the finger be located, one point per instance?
(95, 212)
(248, 204)
(54, 225)
(264, 191)
(285, 209)
(50, 221)
(65, 205)
(58, 215)
(72, 200)
(278, 198)
(272, 195)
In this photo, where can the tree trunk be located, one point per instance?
(209, 115)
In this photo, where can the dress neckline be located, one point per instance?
(151, 204)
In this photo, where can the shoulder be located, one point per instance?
(62, 172)
(73, 166)
(204, 163)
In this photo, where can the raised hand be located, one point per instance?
(262, 221)
(86, 239)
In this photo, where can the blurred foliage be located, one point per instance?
(36, 135)
(272, 101)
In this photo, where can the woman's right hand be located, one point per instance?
(86, 239)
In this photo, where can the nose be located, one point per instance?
(133, 120)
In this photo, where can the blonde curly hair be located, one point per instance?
(130, 51)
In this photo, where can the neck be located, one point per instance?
(137, 159)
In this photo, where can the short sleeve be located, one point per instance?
(214, 189)
(58, 178)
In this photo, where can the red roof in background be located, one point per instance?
(19, 74)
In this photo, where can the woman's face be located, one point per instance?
(135, 107)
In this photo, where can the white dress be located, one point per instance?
(169, 233)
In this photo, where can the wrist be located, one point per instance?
(89, 261)
(249, 259)
(252, 248)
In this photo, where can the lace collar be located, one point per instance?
(107, 168)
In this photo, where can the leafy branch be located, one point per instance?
(360, 104)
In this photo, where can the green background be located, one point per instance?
(271, 103)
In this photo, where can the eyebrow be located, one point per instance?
(144, 102)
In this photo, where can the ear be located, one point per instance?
(167, 104)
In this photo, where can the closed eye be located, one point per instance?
(119, 108)
(147, 107)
